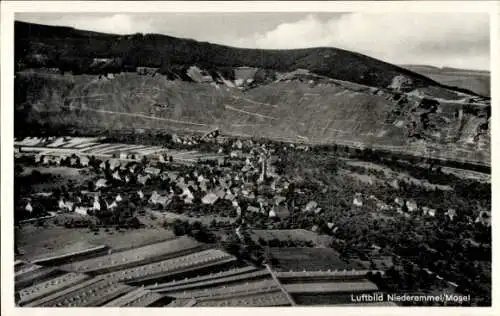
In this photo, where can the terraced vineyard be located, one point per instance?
(53, 285)
(95, 292)
(136, 298)
(176, 272)
(136, 256)
(198, 260)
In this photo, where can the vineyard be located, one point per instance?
(175, 272)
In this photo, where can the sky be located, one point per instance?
(458, 40)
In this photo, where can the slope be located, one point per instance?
(315, 111)
(473, 80)
(71, 49)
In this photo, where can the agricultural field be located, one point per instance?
(42, 242)
(284, 235)
(97, 147)
(314, 259)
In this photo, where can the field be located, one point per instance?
(135, 256)
(81, 146)
(289, 234)
(298, 259)
(41, 242)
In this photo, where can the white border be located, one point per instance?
(8, 8)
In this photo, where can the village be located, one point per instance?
(241, 198)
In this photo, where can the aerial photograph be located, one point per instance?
(252, 159)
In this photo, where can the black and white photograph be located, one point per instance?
(250, 159)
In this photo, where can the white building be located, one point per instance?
(357, 200)
(28, 207)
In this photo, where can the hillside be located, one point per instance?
(39, 45)
(473, 80)
(86, 80)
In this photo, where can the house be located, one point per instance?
(65, 205)
(187, 195)
(484, 218)
(132, 168)
(399, 201)
(114, 163)
(73, 161)
(84, 161)
(158, 199)
(394, 184)
(357, 200)
(123, 155)
(28, 207)
(312, 205)
(451, 213)
(428, 211)
(58, 160)
(143, 179)
(210, 198)
(411, 206)
(81, 210)
(220, 193)
(116, 175)
(101, 183)
(176, 139)
(238, 144)
(118, 198)
(229, 195)
(140, 194)
(97, 205)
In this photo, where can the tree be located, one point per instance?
(179, 228)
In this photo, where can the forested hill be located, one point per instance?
(70, 49)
